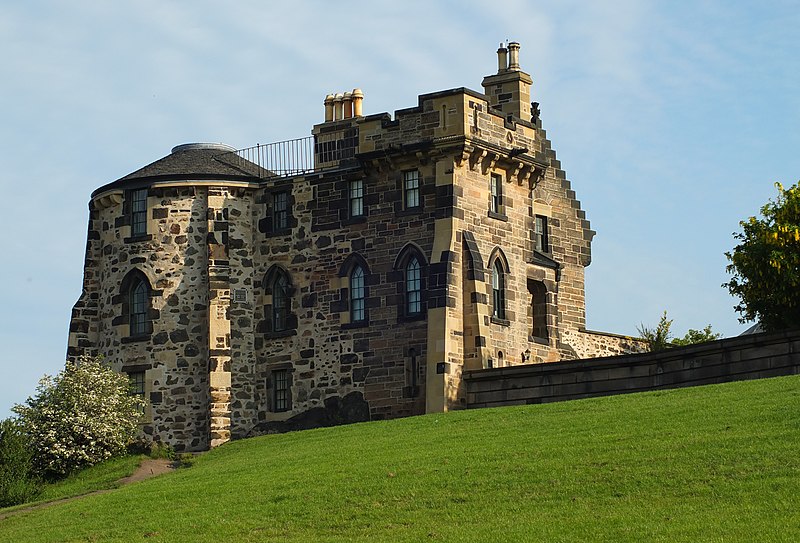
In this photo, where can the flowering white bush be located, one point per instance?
(80, 417)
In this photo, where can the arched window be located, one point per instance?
(138, 304)
(281, 302)
(498, 290)
(413, 287)
(357, 295)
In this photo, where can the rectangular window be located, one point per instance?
(280, 211)
(136, 380)
(138, 212)
(356, 196)
(496, 193)
(280, 390)
(357, 296)
(411, 189)
(540, 234)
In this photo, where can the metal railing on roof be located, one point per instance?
(281, 159)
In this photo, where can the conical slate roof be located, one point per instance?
(200, 161)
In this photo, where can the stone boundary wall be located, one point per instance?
(591, 344)
(753, 356)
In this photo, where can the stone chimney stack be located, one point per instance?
(509, 90)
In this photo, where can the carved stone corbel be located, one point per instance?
(477, 157)
(488, 162)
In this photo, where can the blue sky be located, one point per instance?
(672, 119)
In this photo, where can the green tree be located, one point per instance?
(80, 417)
(17, 482)
(697, 336)
(657, 338)
(660, 337)
(766, 263)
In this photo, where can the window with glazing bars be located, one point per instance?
(280, 390)
(357, 295)
(540, 234)
(138, 305)
(139, 212)
(280, 210)
(498, 291)
(413, 287)
(136, 386)
(280, 303)
(496, 190)
(356, 198)
(411, 188)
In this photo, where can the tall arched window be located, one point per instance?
(413, 287)
(281, 302)
(498, 290)
(357, 295)
(138, 304)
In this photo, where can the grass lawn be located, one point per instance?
(719, 463)
(100, 477)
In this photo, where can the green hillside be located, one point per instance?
(718, 463)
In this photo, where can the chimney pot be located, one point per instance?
(347, 101)
(338, 107)
(513, 54)
(358, 96)
(502, 59)
(329, 108)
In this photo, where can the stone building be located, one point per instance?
(352, 275)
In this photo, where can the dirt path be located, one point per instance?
(150, 467)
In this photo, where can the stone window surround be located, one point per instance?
(267, 224)
(267, 326)
(343, 306)
(412, 190)
(541, 234)
(497, 198)
(355, 198)
(400, 267)
(133, 278)
(499, 270)
(127, 217)
(286, 371)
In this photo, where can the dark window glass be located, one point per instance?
(540, 234)
(356, 195)
(498, 291)
(280, 390)
(281, 305)
(357, 295)
(413, 287)
(136, 383)
(280, 210)
(496, 190)
(411, 189)
(139, 212)
(138, 305)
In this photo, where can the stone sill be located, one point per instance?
(499, 216)
(501, 322)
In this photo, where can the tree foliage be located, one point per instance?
(657, 338)
(697, 336)
(80, 417)
(660, 337)
(766, 263)
(17, 484)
